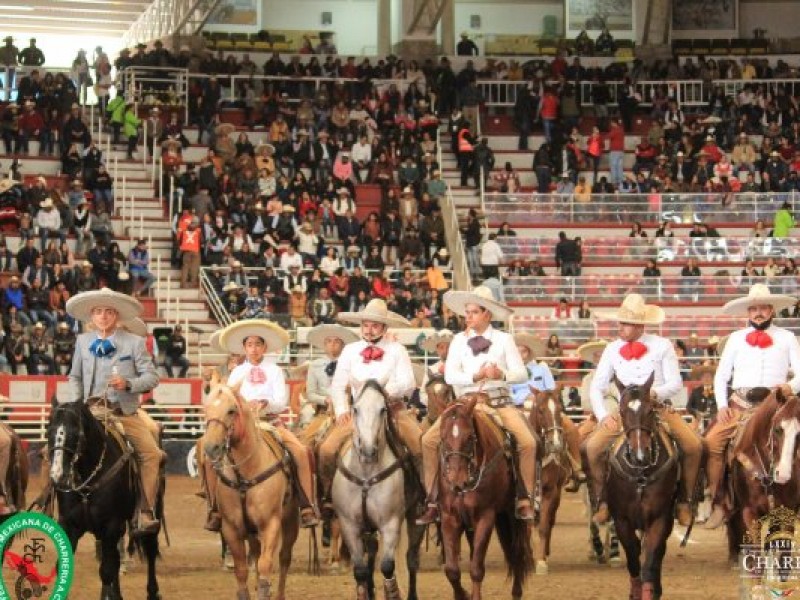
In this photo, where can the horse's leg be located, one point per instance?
(390, 538)
(237, 548)
(371, 543)
(451, 543)
(655, 542)
(109, 564)
(351, 532)
(150, 546)
(416, 533)
(630, 541)
(268, 537)
(547, 517)
(480, 544)
(291, 528)
(335, 550)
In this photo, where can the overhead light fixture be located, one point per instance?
(11, 7)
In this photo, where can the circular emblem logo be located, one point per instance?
(37, 559)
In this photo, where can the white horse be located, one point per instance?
(371, 495)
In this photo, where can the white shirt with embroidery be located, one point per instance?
(273, 390)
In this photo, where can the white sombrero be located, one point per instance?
(81, 305)
(430, 343)
(375, 311)
(213, 343)
(635, 311)
(136, 326)
(317, 336)
(298, 372)
(233, 336)
(535, 344)
(482, 296)
(589, 349)
(758, 294)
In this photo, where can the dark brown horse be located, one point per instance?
(477, 495)
(545, 418)
(642, 489)
(766, 471)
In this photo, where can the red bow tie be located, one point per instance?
(759, 339)
(633, 350)
(371, 353)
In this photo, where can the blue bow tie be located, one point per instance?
(102, 348)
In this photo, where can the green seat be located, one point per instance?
(549, 26)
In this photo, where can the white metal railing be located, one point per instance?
(455, 242)
(527, 208)
(140, 82)
(667, 288)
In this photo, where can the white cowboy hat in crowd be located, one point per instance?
(635, 311)
(758, 294)
(81, 305)
(589, 349)
(430, 343)
(46, 203)
(230, 286)
(375, 311)
(7, 184)
(482, 296)
(535, 344)
(225, 129)
(317, 336)
(233, 336)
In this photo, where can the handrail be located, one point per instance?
(462, 279)
(212, 298)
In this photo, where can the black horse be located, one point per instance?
(96, 483)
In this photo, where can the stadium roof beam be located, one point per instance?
(166, 18)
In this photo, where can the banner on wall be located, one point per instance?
(704, 15)
(235, 15)
(595, 15)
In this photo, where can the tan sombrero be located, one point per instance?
(230, 286)
(317, 336)
(375, 311)
(136, 326)
(482, 296)
(225, 129)
(698, 371)
(81, 305)
(213, 343)
(635, 311)
(430, 343)
(721, 344)
(587, 351)
(265, 146)
(298, 372)
(535, 344)
(7, 184)
(758, 294)
(233, 336)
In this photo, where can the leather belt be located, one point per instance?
(114, 407)
(738, 398)
(495, 398)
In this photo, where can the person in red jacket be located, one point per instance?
(31, 126)
(548, 112)
(616, 151)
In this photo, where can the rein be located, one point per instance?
(647, 474)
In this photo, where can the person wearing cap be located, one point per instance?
(743, 155)
(330, 340)
(40, 362)
(63, 347)
(375, 357)
(31, 56)
(263, 385)
(138, 266)
(9, 55)
(112, 364)
(631, 360)
(760, 355)
(484, 360)
(466, 47)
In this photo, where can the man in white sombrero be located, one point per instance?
(632, 359)
(374, 357)
(114, 364)
(760, 355)
(484, 360)
(262, 382)
(330, 340)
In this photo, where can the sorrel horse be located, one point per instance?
(253, 492)
(766, 470)
(477, 495)
(545, 419)
(440, 395)
(642, 489)
(372, 493)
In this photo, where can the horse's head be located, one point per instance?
(66, 440)
(369, 418)
(439, 396)
(638, 420)
(459, 443)
(785, 429)
(225, 417)
(546, 420)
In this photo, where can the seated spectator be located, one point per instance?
(175, 355)
(645, 156)
(553, 350)
(562, 311)
(421, 319)
(330, 262)
(40, 360)
(63, 348)
(298, 307)
(255, 305)
(690, 286)
(605, 44)
(584, 312)
(323, 308)
(139, 268)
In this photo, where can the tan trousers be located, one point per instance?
(302, 461)
(689, 441)
(5, 459)
(308, 435)
(513, 420)
(190, 268)
(573, 441)
(407, 428)
(717, 440)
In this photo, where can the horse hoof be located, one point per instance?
(243, 595)
(542, 568)
(636, 589)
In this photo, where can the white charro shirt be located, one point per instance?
(273, 391)
(462, 363)
(393, 372)
(660, 360)
(751, 366)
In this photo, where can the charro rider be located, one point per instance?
(758, 356)
(262, 383)
(376, 356)
(437, 343)
(631, 359)
(110, 368)
(485, 360)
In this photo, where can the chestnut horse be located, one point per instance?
(440, 395)
(477, 494)
(545, 419)
(642, 489)
(766, 469)
(253, 492)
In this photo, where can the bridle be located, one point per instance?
(234, 432)
(644, 425)
(549, 435)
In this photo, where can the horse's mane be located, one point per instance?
(372, 384)
(758, 426)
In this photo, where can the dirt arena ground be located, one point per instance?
(192, 570)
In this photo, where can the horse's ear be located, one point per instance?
(237, 386)
(619, 385)
(649, 383)
(469, 405)
(780, 396)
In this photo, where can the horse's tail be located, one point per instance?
(515, 541)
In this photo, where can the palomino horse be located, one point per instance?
(476, 495)
(96, 485)
(642, 489)
(766, 471)
(545, 419)
(372, 492)
(253, 491)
